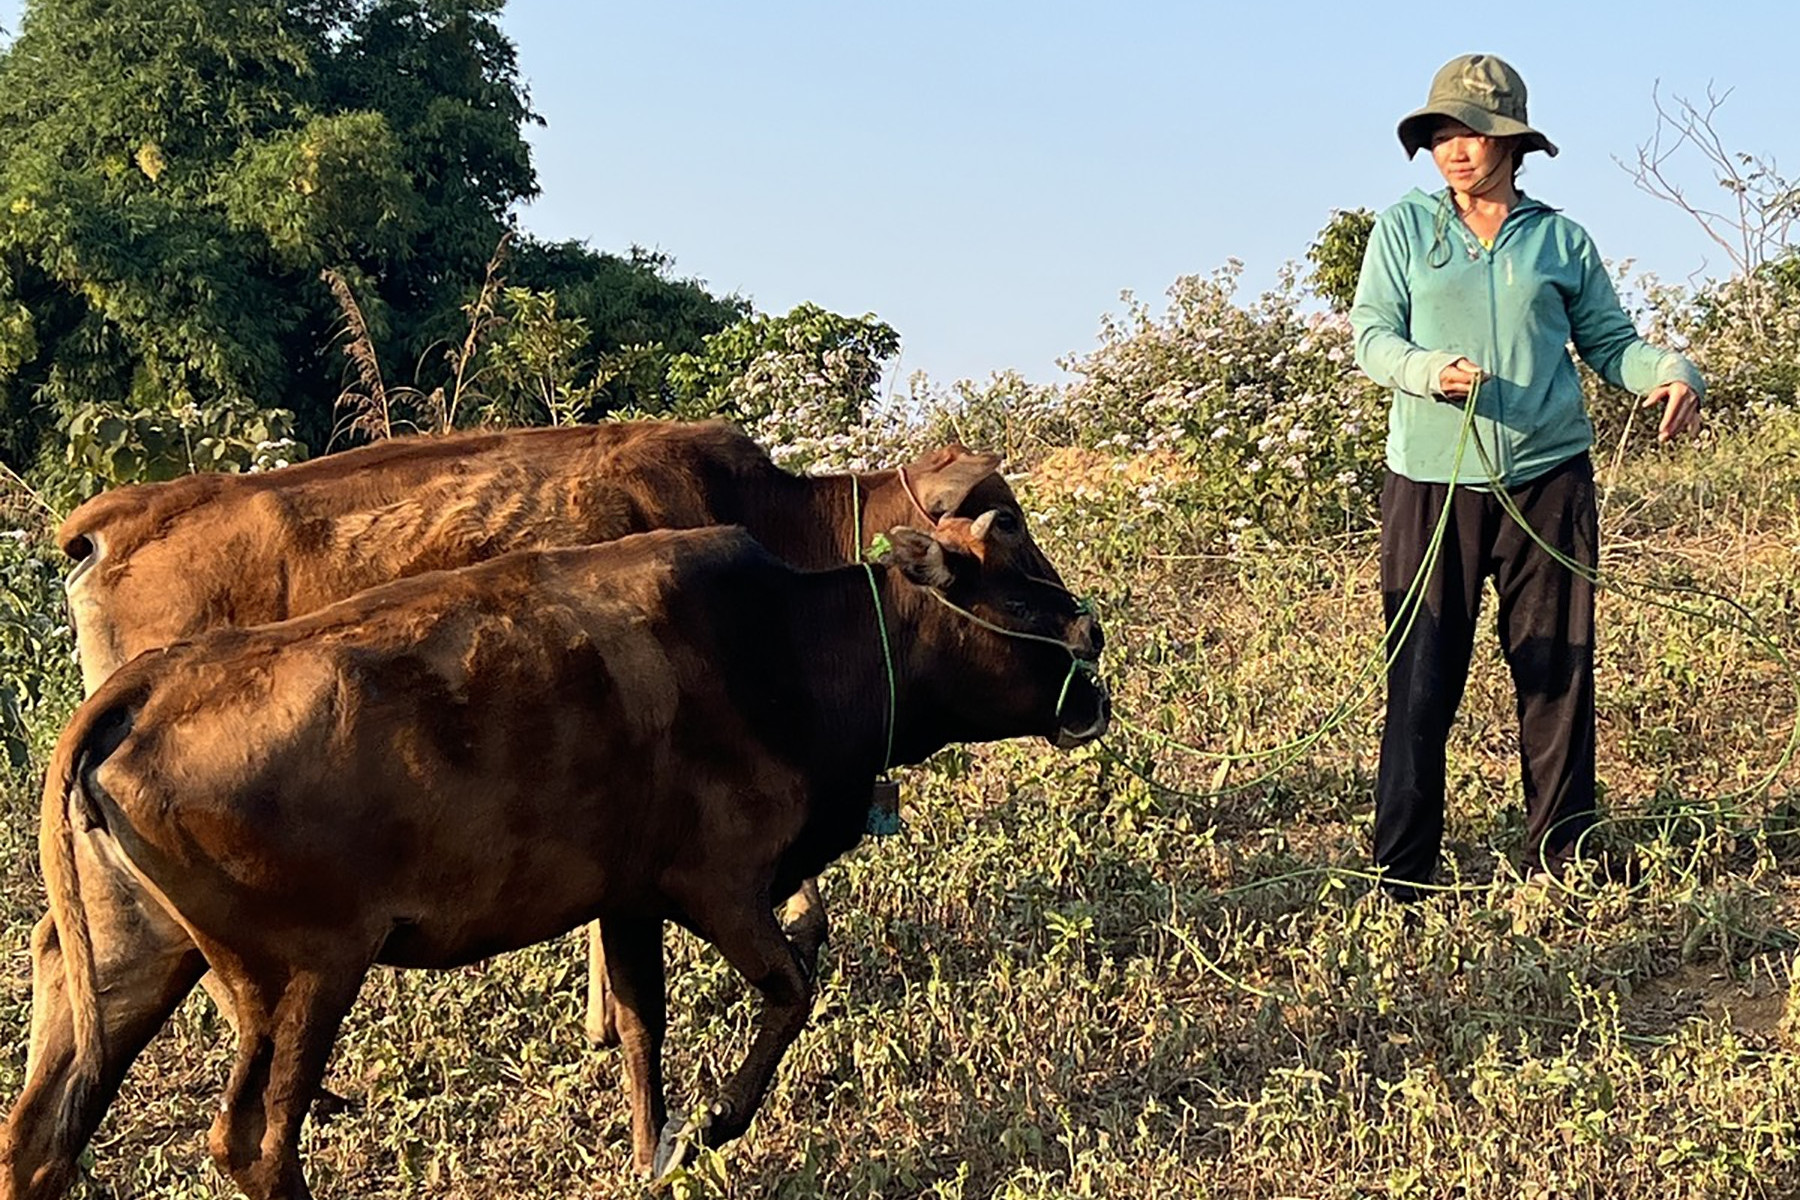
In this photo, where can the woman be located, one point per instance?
(1478, 289)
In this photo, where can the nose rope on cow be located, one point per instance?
(1083, 607)
(1077, 664)
(884, 819)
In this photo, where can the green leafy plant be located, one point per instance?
(38, 680)
(110, 448)
(1336, 256)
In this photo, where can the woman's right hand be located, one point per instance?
(1458, 379)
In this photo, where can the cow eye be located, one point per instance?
(1004, 521)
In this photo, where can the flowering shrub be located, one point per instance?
(1745, 336)
(1252, 420)
(803, 384)
(1008, 415)
(1262, 403)
(1242, 417)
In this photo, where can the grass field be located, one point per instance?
(1138, 971)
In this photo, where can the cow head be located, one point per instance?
(1020, 647)
(956, 482)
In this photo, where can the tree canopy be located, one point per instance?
(177, 176)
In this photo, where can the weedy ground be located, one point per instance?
(1135, 970)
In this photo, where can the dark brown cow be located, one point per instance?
(676, 726)
(162, 562)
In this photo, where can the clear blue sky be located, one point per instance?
(988, 176)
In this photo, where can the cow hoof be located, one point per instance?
(680, 1134)
(674, 1146)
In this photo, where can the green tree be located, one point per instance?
(178, 178)
(175, 173)
(1336, 256)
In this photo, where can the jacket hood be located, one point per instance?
(1431, 200)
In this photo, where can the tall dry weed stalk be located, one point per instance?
(367, 409)
(483, 319)
(375, 410)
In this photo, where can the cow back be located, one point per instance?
(161, 562)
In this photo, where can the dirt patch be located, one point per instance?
(1756, 1007)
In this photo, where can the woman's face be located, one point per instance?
(1470, 162)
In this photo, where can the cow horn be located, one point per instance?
(943, 480)
(978, 529)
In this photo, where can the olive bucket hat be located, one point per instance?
(1481, 91)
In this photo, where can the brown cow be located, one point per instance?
(162, 562)
(676, 726)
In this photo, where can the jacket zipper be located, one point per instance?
(1503, 450)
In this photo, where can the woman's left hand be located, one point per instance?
(1681, 409)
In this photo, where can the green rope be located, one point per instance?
(887, 653)
(887, 661)
(1077, 664)
(1372, 671)
(1745, 623)
(1407, 616)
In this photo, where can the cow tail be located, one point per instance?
(56, 852)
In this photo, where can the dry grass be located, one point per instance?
(1064, 980)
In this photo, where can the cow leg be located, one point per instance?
(144, 964)
(634, 963)
(752, 942)
(602, 1022)
(803, 919)
(220, 996)
(288, 1019)
(327, 1103)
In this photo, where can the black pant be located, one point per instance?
(1546, 626)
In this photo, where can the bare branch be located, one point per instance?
(1755, 226)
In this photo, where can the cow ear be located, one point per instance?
(918, 556)
(944, 478)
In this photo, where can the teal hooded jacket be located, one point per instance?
(1431, 293)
